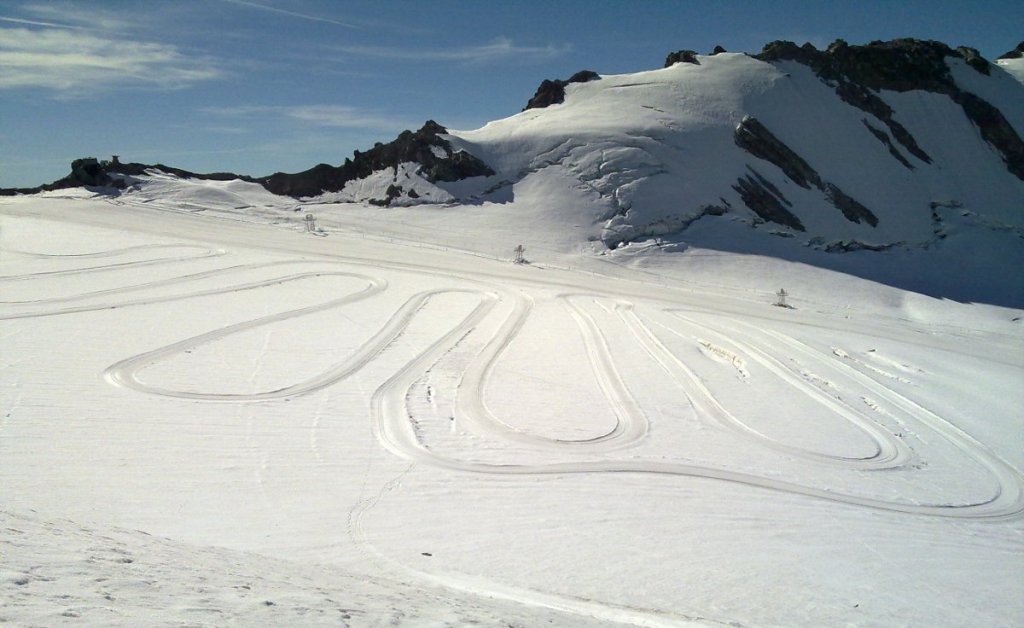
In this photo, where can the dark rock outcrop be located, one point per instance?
(1016, 53)
(86, 172)
(848, 246)
(866, 100)
(853, 210)
(899, 65)
(92, 172)
(883, 137)
(422, 147)
(766, 201)
(756, 139)
(995, 129)
(718, 50)
(974, 59)
(553, 92)
(753, 137)
(682, 56)
(858, 72)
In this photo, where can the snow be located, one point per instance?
(208, 415)
(656, 147)
(405, 175)
(1015, 67)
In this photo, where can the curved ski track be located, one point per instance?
(392, 420)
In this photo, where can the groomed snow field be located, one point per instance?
(210, 419)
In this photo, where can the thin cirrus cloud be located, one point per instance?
(75, 63)
(500, 49)
(70, 16)
(336, 116)
(295, 14)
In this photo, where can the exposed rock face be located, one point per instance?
(883, 137)
(717, 50)
(87, 171)
(91, 172)
(765, 200)
(753, 137)
(1016, 53)
(683, 56)
(898, 65)
(974, 59)
(995, 129)
(857, 72)
(756, 139)
(866, 100)
(437, 159)
(553, 92)
(854, 211)
(424, 147)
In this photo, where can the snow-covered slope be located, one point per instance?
(697, 154)
(1015, 67)
(659, 147)
(207, 421)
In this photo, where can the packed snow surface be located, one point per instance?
(209, 415)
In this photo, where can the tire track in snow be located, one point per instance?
(208, 252)
(631, 424)
(391, 425)
(890, 452)
(472, 412)
(107, 305)
(1009, 490)
(396, 433)
(887, 453)
(126, 372)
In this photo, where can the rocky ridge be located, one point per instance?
(435, 157)
(900, 65)
(552, 92)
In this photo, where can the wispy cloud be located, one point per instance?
(336, 116)
(15, 20)
(499, 49)
(74, 63)
(72, 16)
(295, 14)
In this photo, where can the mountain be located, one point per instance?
(795, 152)
(857, 146)
(891, 145)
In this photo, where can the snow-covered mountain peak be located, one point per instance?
(891, 145)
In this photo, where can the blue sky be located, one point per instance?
(266, 85)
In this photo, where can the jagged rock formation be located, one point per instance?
(85, 172)
(684, 56)
(436, 159)
(901, 65)
(753, 137)
(553, 92)
(884, 138)
(433, 157)
(765, 200)
(94, 173)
